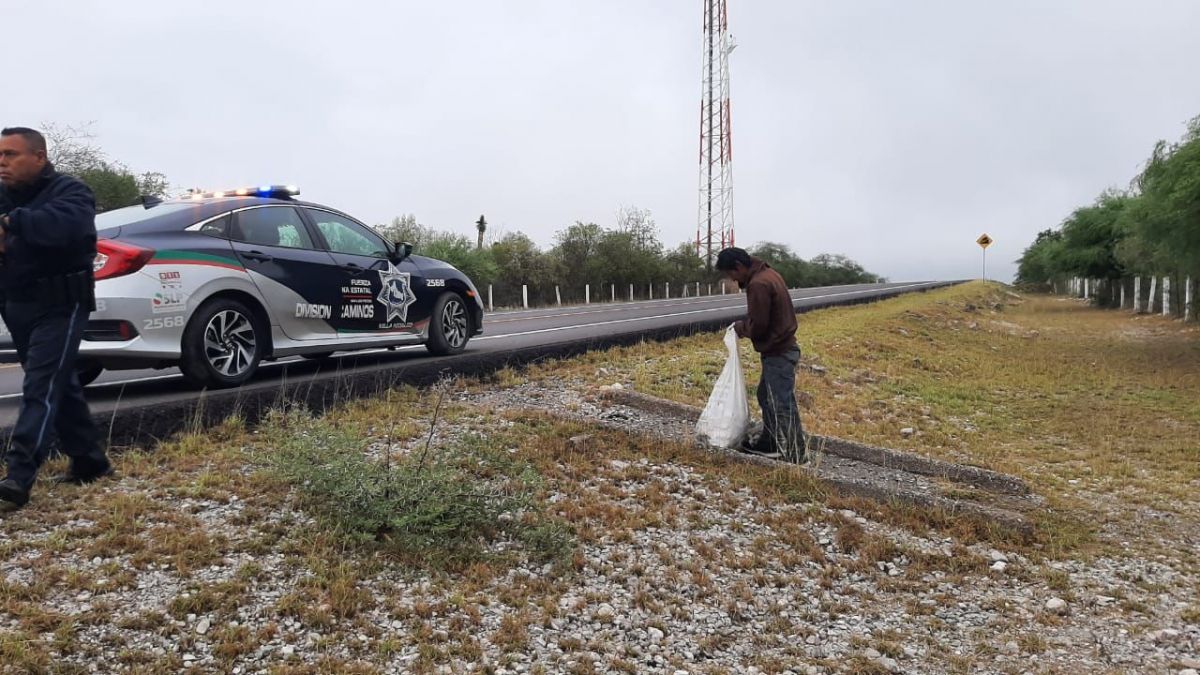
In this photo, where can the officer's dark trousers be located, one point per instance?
(47, 341)
(777, 398)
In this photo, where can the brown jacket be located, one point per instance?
(770, 321)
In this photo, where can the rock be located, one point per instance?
(889, 664)
(1192, 663)
(999, 566)
(1010, 648)
(1189, 671)
(605, 613)
(1056, 605)
(1164, 635)
(997, 556)
(907, 432)
(872, 653)
(1105, 600)
(202, 627)
(579, 442)
(288, 650)
(655, 634)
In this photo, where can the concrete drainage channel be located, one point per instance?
(143, 424)
(859, 470)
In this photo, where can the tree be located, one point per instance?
(577, 253)
(73, 151)
(405, 228)
(1036, 266)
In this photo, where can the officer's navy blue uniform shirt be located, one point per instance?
(51, 230)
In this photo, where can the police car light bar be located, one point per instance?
(266, 191)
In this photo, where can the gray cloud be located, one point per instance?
(892, 132)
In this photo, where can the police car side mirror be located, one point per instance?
(403, 250)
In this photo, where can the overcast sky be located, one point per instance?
(892, 132)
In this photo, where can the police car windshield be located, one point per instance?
(133, 214)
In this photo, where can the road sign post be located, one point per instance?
(984, 241)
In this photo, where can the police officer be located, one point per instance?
(48, 244)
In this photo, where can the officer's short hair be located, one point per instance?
(35, 139)
(730, 258)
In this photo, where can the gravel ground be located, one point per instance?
(722, 582)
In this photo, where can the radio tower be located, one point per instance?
(715, 229)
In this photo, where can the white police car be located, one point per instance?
(217, 282)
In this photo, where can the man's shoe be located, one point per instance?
(762, 450)
(12, 495)
(77, 475)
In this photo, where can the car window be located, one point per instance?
(272, 226)
(346, 236)
(218, 227)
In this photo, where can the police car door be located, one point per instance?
(296, 278)
(378, 295)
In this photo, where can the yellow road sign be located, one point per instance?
(984, 241)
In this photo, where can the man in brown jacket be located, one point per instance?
(770, 324)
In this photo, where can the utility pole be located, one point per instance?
(714, 229)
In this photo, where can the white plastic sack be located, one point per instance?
(727, 414)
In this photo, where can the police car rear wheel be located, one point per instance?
(448, 326)
(222, 344)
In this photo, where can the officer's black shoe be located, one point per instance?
(81, 474)
(12, 495)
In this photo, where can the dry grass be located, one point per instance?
(1079, 401)
(1096, 409)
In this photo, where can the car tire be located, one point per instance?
(222, 344)
(449, 325)
(87, 371)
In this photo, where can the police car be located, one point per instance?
(217, 282)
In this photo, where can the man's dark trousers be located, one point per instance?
(47, 340)
(777, 398)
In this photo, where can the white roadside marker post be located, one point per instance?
(525, 296)
(1137, 295)
(1166, 296)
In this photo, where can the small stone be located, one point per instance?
(997, 556)
(1105, 600)
(907, 432)
(655, 634)
(1164, 635)
(202, 627)
(1056, 605)
(889, 664)
(1010, 648)
(288, 650)
(605, 613)
(872, 653)
(1192, 663)
(189, 657)
(1189, 671)
(999, 566)
(97, 560)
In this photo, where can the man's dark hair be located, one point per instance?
(33, 137)
(730, 258)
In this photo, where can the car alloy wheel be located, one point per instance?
(454, 323)
(229, 343)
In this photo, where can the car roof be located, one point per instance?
(181, 212)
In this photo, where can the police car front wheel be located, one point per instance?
(222, 344)
(449, 327)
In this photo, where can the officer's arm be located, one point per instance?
(69, 219)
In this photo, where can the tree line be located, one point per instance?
(1149, 230)
(583, 254)
(608, 260)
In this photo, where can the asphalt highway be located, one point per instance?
(157, 401)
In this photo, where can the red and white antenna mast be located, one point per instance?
(715, 229)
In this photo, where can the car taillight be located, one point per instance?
(115, 258)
